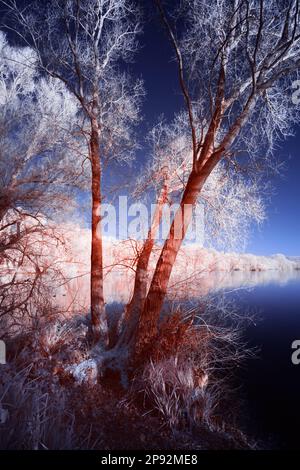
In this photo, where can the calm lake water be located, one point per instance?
(270, 382)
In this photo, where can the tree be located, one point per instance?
(163, 175)
(38, 140)
(236, 61)
(230, 203)
(81, 43)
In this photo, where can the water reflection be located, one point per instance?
(197, 271)
(184, 284)
(218, 280)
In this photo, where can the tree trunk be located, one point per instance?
(98, 315)
(148, 323)
(136, 304)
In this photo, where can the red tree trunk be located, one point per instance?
(148, 323)
(136, 303)
(98, 316)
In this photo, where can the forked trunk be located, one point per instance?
(98, 316)
(137, 301)
(148, 322)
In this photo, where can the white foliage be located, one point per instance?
(86, 371)
(82, 44)
(232, 200)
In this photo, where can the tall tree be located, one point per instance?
(82, 43)
(236, 62)
(229, 201)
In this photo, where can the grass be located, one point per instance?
(173, 402)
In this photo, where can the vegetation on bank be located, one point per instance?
(175, 401)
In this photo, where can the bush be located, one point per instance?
(177, 390)
(34, 418)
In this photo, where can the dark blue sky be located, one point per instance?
(280, 232)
